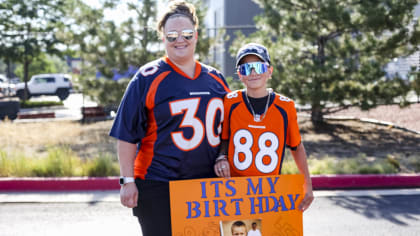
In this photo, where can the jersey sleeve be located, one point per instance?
(293, 135)
(130, 123)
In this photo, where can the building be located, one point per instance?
(234, 15)
(402, 66)
(228, 16)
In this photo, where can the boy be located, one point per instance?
(238, 228)
(254, 231)
(259, 124)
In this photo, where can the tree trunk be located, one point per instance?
(8, 69)
(25, 77)
(317, 117)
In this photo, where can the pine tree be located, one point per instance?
(333, 52)
(28, 29)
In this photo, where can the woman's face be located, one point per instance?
(181, 49)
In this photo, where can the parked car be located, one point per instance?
(7, 89)
(9, 107)
(46, 84)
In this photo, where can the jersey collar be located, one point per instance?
(179, 71)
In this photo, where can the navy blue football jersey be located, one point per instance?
(174, 119)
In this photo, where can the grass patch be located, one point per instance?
(60, 162)
(33, 104)
(66, 148)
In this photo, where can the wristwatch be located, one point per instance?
(125, 180)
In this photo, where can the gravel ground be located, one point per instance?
(407, 117)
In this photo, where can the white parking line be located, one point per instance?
(357, 193)
(113, 196)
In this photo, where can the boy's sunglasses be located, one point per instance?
(172, 36)
(259, 67)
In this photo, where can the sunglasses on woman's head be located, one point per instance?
(172, 36)
(259, 67)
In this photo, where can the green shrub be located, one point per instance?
(16, 165)
(392, 160)
(415, 163)
(32, 104)
(103, 166)
(5, 167)
(60, 162)
(289, 167)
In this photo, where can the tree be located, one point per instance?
(113, 48)
(41, 65)
(29, 28)
(333, 52)
(414, 76)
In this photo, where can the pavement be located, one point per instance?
(106, 189)
(319, 182)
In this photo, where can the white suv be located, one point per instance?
(6, 88)
(46, 84)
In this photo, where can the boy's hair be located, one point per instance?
(178, 8)
(238, 223)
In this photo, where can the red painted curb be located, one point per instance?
(58, 184)
(319, 182)
(365, 181)
(36, 115)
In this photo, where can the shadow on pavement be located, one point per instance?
(395, 209)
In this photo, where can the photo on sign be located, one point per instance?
(241, 227)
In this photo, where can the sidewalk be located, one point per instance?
(106, 189)
(319, 182)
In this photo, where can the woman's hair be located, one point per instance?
(175, 9)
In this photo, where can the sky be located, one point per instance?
(120, 13)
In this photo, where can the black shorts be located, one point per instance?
(153, 207)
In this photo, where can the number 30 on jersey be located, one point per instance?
(190, 107)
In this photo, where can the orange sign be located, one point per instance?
(219, 206)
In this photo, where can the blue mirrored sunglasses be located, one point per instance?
(259, 67)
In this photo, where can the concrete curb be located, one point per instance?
(320, 182)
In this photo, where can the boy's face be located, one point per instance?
(255, 81)
(239, 231)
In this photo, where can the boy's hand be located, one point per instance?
(309, 197)
(221, 168)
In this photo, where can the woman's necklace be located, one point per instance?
(258, 117)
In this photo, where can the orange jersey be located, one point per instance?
(257, 148)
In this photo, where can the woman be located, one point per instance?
(168, 122)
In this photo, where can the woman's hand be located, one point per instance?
(129, 195)
(221, 168)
